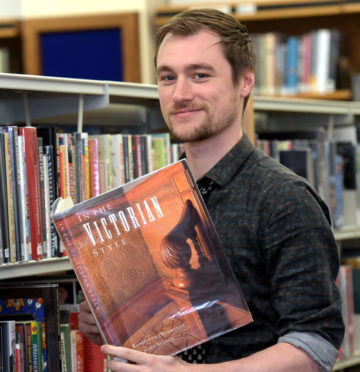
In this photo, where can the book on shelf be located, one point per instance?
(150, 263)
(8, 345)
(345, 281)
(311, 155)
(30, 141)
(34, 310)
(297, 64)
(37, 165)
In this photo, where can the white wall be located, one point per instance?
(10, 8)
(46, 8)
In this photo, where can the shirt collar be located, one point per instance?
(224, 170)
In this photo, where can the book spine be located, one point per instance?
(47, 207)
(93, 357)
(4, 222)
(85, 164)
(10, 200)
(44, 356)
(13, 135)
(66, 347)
(42, 198)
(94, 167)
(34, 197)
(20, 347)
(29, 347)
(78, 161)
(36, 346)
(23, 203)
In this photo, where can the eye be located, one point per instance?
(167, 78)
(200, 76)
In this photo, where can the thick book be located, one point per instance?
(150, 263)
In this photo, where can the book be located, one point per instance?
(29, 135)
(8, 340)
(150, 263)
(4, 222)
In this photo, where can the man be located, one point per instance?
(273, 226)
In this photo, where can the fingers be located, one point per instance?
(131, 355)
(87, 324)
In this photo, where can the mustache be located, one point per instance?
(185, 106)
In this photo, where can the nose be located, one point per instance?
(182, 90)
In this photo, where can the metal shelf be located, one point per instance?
(31, 268)
(346, 363)
(28, 97)
(42, 98)
(309, 106)
(347, 233)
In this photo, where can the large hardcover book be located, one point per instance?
(150, 264)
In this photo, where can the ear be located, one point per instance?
(247, 82)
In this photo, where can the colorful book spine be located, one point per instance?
(32, 169)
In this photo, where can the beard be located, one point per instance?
(207, 128)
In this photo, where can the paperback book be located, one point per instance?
(150, 263)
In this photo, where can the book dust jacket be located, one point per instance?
(150, 263)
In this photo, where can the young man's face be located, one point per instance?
(197, 95)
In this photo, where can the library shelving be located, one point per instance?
(295, 18)
(27, 98)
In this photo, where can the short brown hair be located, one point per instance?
(235, 39)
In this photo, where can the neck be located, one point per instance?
(203, 155)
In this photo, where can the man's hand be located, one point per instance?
(140, 361)
(87, 324)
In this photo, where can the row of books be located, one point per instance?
(78, 354)
(330, 164)
(37, 165)
(38, 333)
(312, 156)
(294, 64)
(22, 346)
(29, 328)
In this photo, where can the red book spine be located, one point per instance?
(94, 359)
(29, 135)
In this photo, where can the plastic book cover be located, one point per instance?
(149, 261)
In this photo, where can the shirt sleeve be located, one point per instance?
(302, 263)
(319, 349)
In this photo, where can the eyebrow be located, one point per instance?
(191, 67)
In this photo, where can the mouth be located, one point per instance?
(184, 112)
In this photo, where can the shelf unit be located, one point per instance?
(296, 18)
(41, 98)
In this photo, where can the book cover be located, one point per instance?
(150, 264)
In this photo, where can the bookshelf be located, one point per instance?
(296, 18)
(44, 98)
